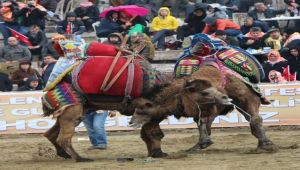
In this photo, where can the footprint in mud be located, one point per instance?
(44, 152)
(272, 149)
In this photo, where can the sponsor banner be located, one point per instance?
(21, 112)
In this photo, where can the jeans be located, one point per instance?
(159, 37)
(94, 123)
(5, 31)
(232, 32)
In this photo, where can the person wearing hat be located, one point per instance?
(274, 39)
(213, 24)
(195, 23)
(21, 75)
(88, 13)
(14, 52)
(31, 84)
(70, 22)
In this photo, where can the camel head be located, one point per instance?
(194, 95)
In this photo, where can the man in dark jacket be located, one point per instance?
(110, 24)
(37, 38)
(88, 14)
(262, 12)
(76, 27)
(49, 63)
(5, 84)
(195, 23)
(249, 23)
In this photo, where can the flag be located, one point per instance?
(20, 37)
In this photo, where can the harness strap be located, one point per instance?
(114, 79)
(112, 66)
(130, 78)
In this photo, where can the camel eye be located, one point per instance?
(204, 93)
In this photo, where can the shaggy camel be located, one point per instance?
(243, 96)
(69, 116)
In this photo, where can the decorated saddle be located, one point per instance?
(207, 49)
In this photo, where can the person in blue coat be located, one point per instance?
(110, 24)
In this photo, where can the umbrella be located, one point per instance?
(130, 9)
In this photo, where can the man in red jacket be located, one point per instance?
(213, 24)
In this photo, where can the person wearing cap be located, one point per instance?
(70, 22)
(213, 24)
(274, 39)
(21, 75)
(88, 13)
(163, 25)
(14, 52)
(31, 84)
(195, 23)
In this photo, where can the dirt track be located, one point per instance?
(233, 149)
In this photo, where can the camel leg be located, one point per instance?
(256, 122)
(67, 122)
(152, 135)
(52, 135)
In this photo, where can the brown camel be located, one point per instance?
(69, 116)
(243, 96)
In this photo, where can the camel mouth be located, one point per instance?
(228, 102)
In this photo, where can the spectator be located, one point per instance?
(276, 77)
(163, 25)
(32, 14)
(274, 62)
(229, 40)
(294, 8)
(217, 11)
(94, 122)
(70, 22)
(249, 23)
(31, 84)
(21, 75)
(115, 39)
(110, 24)
(213, 24)
(173, 4)
(262, 12)
(293, 59)
(14, 52)
(8, 11)
(37, 38)
(253, 39)
(5, 84)
(291, 38)
(274, 39)
(48, 49)
(149, 4)
(195, 23)
(88, 13)
(132, 23)
(49, 63)
(141, 44)
(50, 5)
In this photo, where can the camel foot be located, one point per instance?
(81, 159)
(63, 154)
(205, 144)
(158, 153)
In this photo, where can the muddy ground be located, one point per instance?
(234, 148)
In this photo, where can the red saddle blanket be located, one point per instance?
(94, 70)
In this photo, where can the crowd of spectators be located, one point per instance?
(276, 48)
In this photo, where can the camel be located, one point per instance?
(243, 97)
(69, 116)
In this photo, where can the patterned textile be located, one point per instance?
(63, 94)
(73, 49)
(61, 68)
(186, 67)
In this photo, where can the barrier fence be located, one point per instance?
(21, 112)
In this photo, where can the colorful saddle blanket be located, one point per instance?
(92, 74)
(63, 94)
